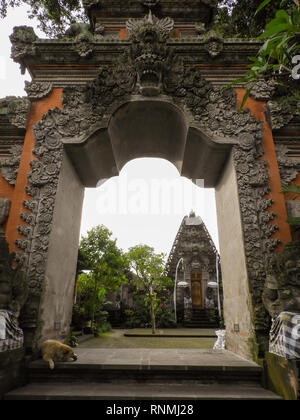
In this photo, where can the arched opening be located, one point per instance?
(147, 204)
(148, 128)
(100, 155)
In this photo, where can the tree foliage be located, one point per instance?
(151, 276)
(54, 16)
(240, 17)
(276, 57)
(106, 264)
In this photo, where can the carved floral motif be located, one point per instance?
(37, 90)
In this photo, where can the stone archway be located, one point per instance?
(149, 94)
(65, 165)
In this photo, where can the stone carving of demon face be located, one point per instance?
(149, 51)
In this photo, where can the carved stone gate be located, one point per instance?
(141, 83)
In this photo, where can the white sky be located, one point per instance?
(147, 202)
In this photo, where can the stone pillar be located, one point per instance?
(60, 272)
(237, 302)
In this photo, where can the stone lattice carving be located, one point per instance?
(282, 288)
(148, 67)
(9, 166)
(37, 90)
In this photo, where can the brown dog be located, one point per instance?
(54, 351)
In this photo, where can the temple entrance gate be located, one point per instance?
(148, 99)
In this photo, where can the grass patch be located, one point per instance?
(116, 339)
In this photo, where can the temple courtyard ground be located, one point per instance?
(179, 338)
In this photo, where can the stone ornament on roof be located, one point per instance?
(138, 28)
(22, 39)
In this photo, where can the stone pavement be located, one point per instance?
(158, 357)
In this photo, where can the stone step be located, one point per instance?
(167, 365)
(146, 374)
(137, 373)
(152, 391)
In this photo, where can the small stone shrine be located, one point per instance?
(194, 262)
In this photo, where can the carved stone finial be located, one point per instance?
(213, 42)
(136, 27)
(80, 34)
(22, 39)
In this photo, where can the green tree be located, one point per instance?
(151, 276)
(54, 16)
(241, 19)
(105, 261)
(275, 58)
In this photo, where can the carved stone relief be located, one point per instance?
(213, 41)
(22, 39)
(37, 90)
(148, 67)
(284, 105)
(288, 167)
(9, 166)
(282, 288)
(17, 110)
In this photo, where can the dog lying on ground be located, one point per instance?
(54, 351)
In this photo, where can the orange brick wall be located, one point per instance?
(18, 194)
(279, 207)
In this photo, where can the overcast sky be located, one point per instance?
(147, 202)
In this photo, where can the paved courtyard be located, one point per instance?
(203, 339)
